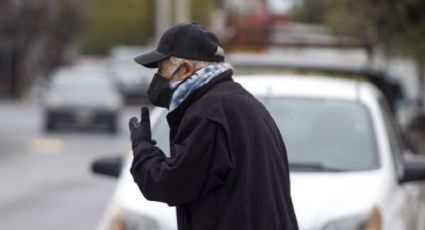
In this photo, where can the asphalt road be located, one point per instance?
(45, 178)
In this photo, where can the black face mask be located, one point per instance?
(159, 91)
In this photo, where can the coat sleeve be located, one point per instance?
(200, 162)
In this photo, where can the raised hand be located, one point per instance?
(140, 131)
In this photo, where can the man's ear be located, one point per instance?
(186, 70)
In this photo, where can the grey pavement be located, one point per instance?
(45, 178)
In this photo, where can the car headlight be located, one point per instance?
(53, 100)
(128, 220)
(114, 102)
(371, 221)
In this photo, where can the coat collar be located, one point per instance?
(174, 117)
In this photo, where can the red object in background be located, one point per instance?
(253, 27)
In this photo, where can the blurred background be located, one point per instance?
(53, 125)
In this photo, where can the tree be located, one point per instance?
(311, 11)
(201, 11)
(111, 22)
(410, 39)
(388, 26)
(37, 33)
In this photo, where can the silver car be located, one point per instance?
(81, 98)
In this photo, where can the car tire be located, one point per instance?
(49, 126)
(112, 129)
(112, 125)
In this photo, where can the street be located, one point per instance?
(46, 182)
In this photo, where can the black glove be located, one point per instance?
(141, 131)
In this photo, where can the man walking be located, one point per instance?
(228, 168)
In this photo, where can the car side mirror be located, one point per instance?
(108, 166)
(414, 168)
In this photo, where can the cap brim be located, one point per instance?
(151, 59)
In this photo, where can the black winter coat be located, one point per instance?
(228, 168)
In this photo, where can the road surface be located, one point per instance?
(45, 178)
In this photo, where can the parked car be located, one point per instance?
(81, 97)
(132, 79)
(349, 166)
(349, 64)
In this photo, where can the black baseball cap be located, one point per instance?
(190, 41)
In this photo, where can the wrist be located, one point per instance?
(140, 145)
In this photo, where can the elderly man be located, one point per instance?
(228, 167)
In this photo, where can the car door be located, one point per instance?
(411, 208)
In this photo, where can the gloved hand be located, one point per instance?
(141, 131)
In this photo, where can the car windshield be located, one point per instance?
(83, 83)
(321, 135)
(325, 134)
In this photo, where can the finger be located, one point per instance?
(145, 114)
(132, 122)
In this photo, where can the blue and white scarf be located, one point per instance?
(198, 79)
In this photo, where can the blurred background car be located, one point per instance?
(133, 80)
(81, 97)
(350, 168)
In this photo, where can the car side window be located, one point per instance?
(395, 141)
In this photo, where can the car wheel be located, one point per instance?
(49, 126)
(112, 126)
(113, 129)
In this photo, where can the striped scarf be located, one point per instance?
(198, 79)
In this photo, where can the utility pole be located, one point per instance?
(182, 12)
(162, 17)
(164, 11)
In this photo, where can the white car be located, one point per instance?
(132, 80)
(349, 167)
(81, 96)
